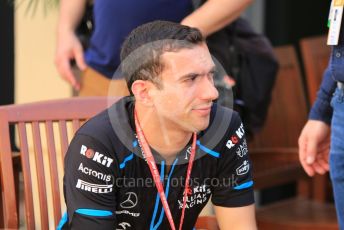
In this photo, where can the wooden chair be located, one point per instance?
(315, 56)
(274, 150)
(56, 117)
(50, 123)
(274, 154)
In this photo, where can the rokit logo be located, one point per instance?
(91, 172)
(96, 156)
(197, 195)
(234, 139)
(243, 169)
(242, 149)
(94, 188)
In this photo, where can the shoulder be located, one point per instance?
(224, 115)
(98, 128)
(225, 129)
(223, 122)
(97, 125)
(110, 128)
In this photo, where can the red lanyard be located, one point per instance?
(156, 175)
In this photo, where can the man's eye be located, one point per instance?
(192, 78)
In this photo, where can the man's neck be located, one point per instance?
(168, 141)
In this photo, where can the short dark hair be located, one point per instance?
(142, 49)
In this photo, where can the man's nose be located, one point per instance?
(208, 90)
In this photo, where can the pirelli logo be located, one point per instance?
(94, 188)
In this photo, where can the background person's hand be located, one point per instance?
(314, 146)
(69, 48)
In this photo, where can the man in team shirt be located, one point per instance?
(154, 159)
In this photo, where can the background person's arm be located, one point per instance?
(238, 218)
(213, 15)
(314, 147)
(68, 45)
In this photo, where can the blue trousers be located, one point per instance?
(337, 153)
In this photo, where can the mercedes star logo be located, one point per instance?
(130, 200)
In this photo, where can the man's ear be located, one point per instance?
(141, 90)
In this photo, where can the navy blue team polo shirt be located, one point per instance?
(108, 183)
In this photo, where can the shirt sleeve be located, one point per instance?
(235, 187)
(321, 109)
(89, 185)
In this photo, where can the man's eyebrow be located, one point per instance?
(191, 75)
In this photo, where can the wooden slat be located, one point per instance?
(63, 138)
(40, 175)
(53, 171)
(304, 189)
(25, 161)
(76, 125)
(8, 191)
(319, 187)
(70, 108)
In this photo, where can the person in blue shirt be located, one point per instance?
(113, 20)
(325, 128)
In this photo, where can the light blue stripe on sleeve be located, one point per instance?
(244, 185)
(93, 212)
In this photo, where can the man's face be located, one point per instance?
(185, 99)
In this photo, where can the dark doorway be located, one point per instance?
(287, 21)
